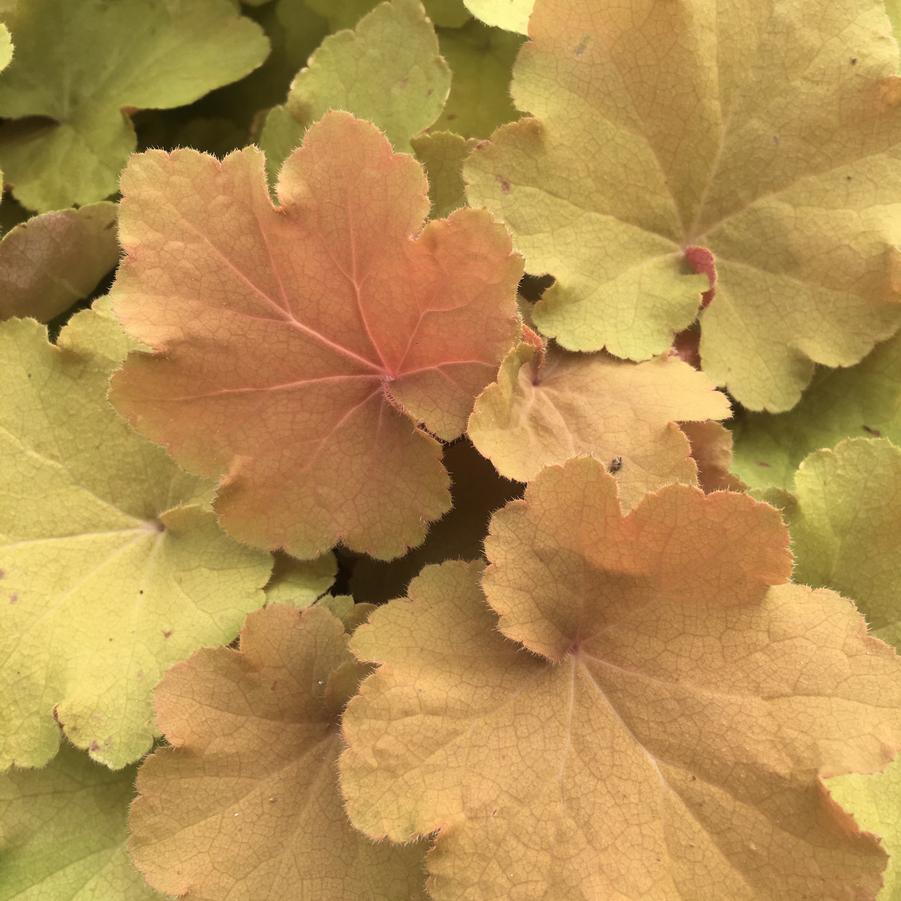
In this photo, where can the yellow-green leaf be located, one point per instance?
(846, 527)
(442, 154)
(63, 831)
(79, 66)
(513, 15)
(756, 145)
(402, 91)
(111, 569)
(860, 402)
(300, 582)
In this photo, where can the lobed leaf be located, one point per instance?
(665, 736)
(63, 831)
(110, 568)
(846, 523)
(79, 66)
(747, 151)
(863, 401)
(550, 405)
(402, 92)
(245, 803)
(324, 332)
(512, 15)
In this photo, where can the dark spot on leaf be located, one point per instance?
(140, 591)
(505, 185)
(583, 43)
(2, 573)
(616, 464)
(871, 431)
(94, 746)
(167, 633)
(109, 225)
(764, 465)
(853, 60)
(776, 140)
(13, 598)
(451, 116)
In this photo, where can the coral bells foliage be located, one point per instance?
(450, 449)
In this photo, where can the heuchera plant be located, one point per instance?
(450, 449)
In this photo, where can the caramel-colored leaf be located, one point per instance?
(667, 735)
(750, 147)
(324, 331)
(245, 804)
(548, 406)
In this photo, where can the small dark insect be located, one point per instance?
(616, 464)
(853, 60)
(871, 431)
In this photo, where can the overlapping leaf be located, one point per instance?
(442, 154)
(109, 568)
(860, 402)
(63, 833)
(300, 582)
(665, 737)
(55, 259)
(81, 66)
(403, 92)
(711, 449)
(846, 527)
(481, 60)
(755, 144)
(548, 406)
(246, 802)
(323, 332)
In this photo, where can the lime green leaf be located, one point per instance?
(513, 15)
(755, 145)
(79, 66)
(875, 802)
(300, 582)
(893, 8)
(402, 91)
(447, 13)
(863, 401)
(63, 833)
(6, 47)
(111, 570)
(55, 259)
(846, 528)
(481, 60)
(442, 154)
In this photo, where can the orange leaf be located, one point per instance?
(298, 346)
(246, 803)
(667, 735)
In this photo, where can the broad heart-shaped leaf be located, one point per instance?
(548, 406)
(678, 137)
(846, 527)
(79, 66)
(666, 737)
(476, 491)
(111, 570)
(481, 60)
(321, 333)
(55, 259)
(245, 805)
(860, 402)
(401, 89)
(512, 15)
(63, 832)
